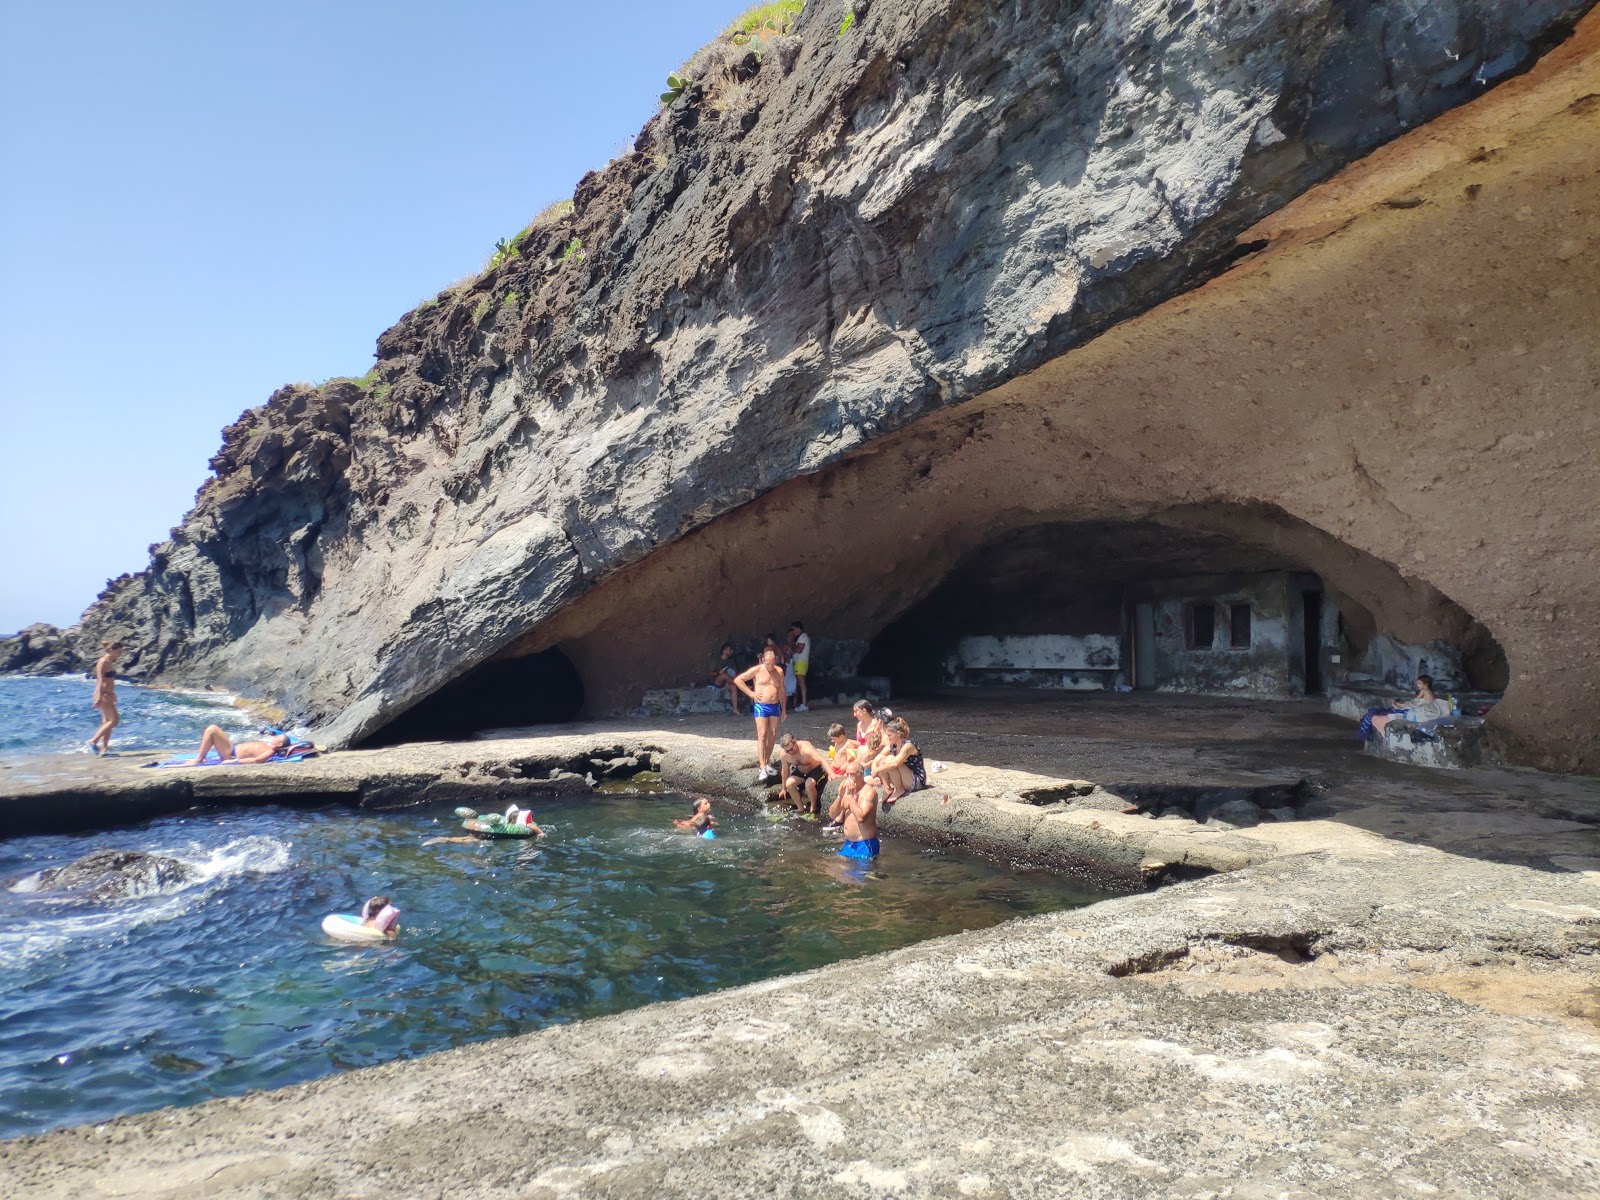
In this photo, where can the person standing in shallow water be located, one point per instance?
(763, 683)
(105, 697)
(857, 807)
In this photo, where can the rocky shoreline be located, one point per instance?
(1391, 994)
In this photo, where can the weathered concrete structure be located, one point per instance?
(878, 296)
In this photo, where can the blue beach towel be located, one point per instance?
(297, 753)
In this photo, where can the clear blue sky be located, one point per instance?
(201, 201)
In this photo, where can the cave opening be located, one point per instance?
(542, 688)
(1222, 604)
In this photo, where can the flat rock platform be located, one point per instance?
(1391, 990)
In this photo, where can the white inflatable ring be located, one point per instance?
(347, 927)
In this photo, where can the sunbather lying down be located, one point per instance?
(242, 752)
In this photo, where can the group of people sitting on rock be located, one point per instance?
(876, 765)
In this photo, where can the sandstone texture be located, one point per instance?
(845, 234)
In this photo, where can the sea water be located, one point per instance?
(226, 982)
(51, 714)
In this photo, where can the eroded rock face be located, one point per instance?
(801, 255)
(40, 650)
(116, 875)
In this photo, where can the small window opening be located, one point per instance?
(1202, 626)
(1239, 621)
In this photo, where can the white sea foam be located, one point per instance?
(59, 922)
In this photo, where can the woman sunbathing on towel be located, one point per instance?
(243, 752)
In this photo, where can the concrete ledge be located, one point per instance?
(1206, 1039)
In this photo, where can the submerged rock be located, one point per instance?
(117, 874)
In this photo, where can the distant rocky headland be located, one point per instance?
(948, 281)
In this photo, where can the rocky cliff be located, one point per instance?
(824, 239)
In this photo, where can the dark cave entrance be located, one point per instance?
(1197, 606)
(532, 689)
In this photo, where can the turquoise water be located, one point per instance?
(52, 715)
(227, 983)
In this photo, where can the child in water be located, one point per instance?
(701, 823)
(377, 913)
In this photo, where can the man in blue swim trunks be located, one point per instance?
(857, 803)
(763, 683)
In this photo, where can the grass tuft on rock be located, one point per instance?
(778, 17)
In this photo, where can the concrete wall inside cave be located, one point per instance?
(959, 577)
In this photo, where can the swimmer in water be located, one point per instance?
(701, 822)
(379, 914)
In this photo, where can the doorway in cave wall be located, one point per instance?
(1311, 608)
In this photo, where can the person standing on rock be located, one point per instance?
(763, 683)
(800, 653)
(105, 697)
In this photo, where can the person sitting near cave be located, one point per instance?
(806, 771)
(841, 750)
(701, 822)
(723, 673)
(899, 768)
(377, 913)
(867, 721)
(243, 752)
(1424, 706)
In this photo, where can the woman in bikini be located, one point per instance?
(867, 722)
(105, 697)
(900, 767)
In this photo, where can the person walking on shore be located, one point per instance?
(105, 697)
(763, 683)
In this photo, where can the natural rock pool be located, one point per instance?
(225, 982)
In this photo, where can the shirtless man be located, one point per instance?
(857, 804)
(763, 683)
(105, 697)
(244, 752)
(805, 771)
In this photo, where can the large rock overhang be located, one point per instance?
(1399, 391)
(780, 277)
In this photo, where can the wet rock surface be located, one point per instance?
(116, 875)
(786, 267)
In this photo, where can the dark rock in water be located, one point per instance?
(41, 650)
(116, 874)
